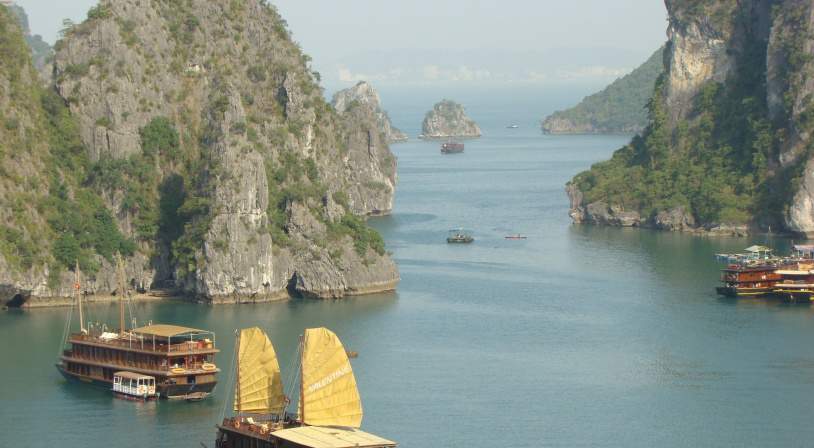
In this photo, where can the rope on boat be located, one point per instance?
(231, 381)
(66, 331)
(292, 375)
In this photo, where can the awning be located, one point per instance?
(804, 247)
(165, 331)
(133, 376)
(754, 249)
(331, 437)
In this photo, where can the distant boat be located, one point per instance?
(516, 237)
(451, 147)
(460, 236)
(513, 126)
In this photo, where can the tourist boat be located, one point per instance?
(755, 274)
(180, 359)
(451, 147)
(134, 386)
(459, 236)
(797, 280)
(329, 411)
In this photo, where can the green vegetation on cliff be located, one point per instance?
(50, 214)
(41, 52)
(717, 162)
(620, 107)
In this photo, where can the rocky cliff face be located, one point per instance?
(449, 119)
(735, 103)
(364, 95)
(208, 139)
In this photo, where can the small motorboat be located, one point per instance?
(460, 236)
(134, 386)
(516, 237)
(512, 126)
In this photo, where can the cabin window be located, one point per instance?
(191, 379)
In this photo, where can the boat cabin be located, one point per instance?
(134, 385)
(459, 236)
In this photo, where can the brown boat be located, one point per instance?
(329, 412)
(451, 147)
(180, 359)
(753, 275)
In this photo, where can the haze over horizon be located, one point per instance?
(426, 43)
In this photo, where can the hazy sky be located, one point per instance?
(436, 41)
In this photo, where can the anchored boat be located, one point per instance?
(179, 359)
(134, 386)
(451, 147)
(329, 411)
(459, 236)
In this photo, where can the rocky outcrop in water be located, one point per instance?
(364, 95)
(727, 148)
(449, 119)
(206, 138)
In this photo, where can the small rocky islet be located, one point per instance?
(448, 119)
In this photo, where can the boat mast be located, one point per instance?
(78, 292)
(122, 292)
(237, 373)
(302, 383)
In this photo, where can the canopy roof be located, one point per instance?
(166, 331)
(758, 249)
(133, 376)
(332, 437)
(791, 272)
(804, 247)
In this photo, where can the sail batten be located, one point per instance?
(329, 395)
(259, 387)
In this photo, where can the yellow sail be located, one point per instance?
(259, 386)
(329, 396)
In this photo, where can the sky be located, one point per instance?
(433, 42)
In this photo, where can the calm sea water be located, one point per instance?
(578, 336)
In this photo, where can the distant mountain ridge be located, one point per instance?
(619, 108)
(41, 51)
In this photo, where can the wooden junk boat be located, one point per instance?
(759, 273)
(180, 359)
(329, 410)
(451, 147)
(754, 274)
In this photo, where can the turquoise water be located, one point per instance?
(578, 336)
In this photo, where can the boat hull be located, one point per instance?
(167, 391)
(728, 291)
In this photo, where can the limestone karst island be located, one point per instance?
(366, 224)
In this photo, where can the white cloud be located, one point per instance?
(594, 71)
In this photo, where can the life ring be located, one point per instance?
(178, 370)
(208, 366)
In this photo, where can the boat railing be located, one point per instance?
(262, 430)
(148, 345)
